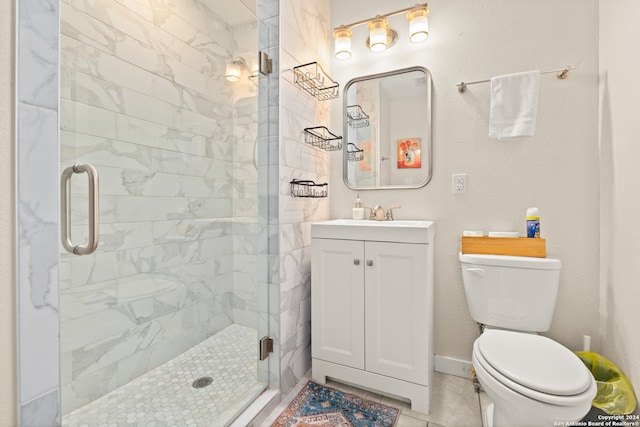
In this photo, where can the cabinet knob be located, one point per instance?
(356, 261)
(369, 262)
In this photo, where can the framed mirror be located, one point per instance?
(387, 128)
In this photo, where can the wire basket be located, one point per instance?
(321, 137)
(354, 154)
(356, 117)
(312, 78)
(306, 188)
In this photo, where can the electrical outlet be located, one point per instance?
(459, 183)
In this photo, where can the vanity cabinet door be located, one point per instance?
(337, 301)
(397, 310)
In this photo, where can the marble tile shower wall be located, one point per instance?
(144, 99)
(37, 200)
(246, 302)
(305, 33)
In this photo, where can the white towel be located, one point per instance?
(514, 105)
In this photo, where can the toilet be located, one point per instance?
(531, 379)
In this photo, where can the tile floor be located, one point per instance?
(454, 403)
(165, 397)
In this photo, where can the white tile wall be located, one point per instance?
(37, 229)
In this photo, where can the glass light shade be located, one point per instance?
(342, 38)
(232, 72)
(378, 32)
(418, 24)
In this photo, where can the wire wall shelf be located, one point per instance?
(312, 78)
(354, 154)
(321, 137)
(356, 117)
(306, 188)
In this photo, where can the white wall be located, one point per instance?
(620, 151)
(8, 403)
(557, 170)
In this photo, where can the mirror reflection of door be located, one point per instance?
(396, 135)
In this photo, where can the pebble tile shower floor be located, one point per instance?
(165, 396)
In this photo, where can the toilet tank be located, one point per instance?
(511, 292)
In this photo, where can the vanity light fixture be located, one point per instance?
(381, 36)
(234, 69)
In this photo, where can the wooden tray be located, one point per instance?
(519, 246)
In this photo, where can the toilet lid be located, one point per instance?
(535, 362)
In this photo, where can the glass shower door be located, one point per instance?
(168, 308)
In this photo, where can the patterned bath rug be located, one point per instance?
(321, 406)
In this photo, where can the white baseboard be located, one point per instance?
(451, 366)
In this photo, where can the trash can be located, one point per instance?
(615, 393)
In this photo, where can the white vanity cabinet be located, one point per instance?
(372, 307)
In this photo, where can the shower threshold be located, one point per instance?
(165, 396)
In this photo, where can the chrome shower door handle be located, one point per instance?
(65, 209)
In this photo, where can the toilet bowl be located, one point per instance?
(531, 379)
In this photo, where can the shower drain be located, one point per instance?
(202, 382)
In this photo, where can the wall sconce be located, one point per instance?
(380, 35)
(234, 69)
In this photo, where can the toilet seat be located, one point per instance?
(534, 366)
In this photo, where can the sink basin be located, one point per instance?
(404, 231)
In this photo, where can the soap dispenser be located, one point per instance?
(358, 210)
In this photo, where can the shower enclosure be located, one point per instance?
(161, 323)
